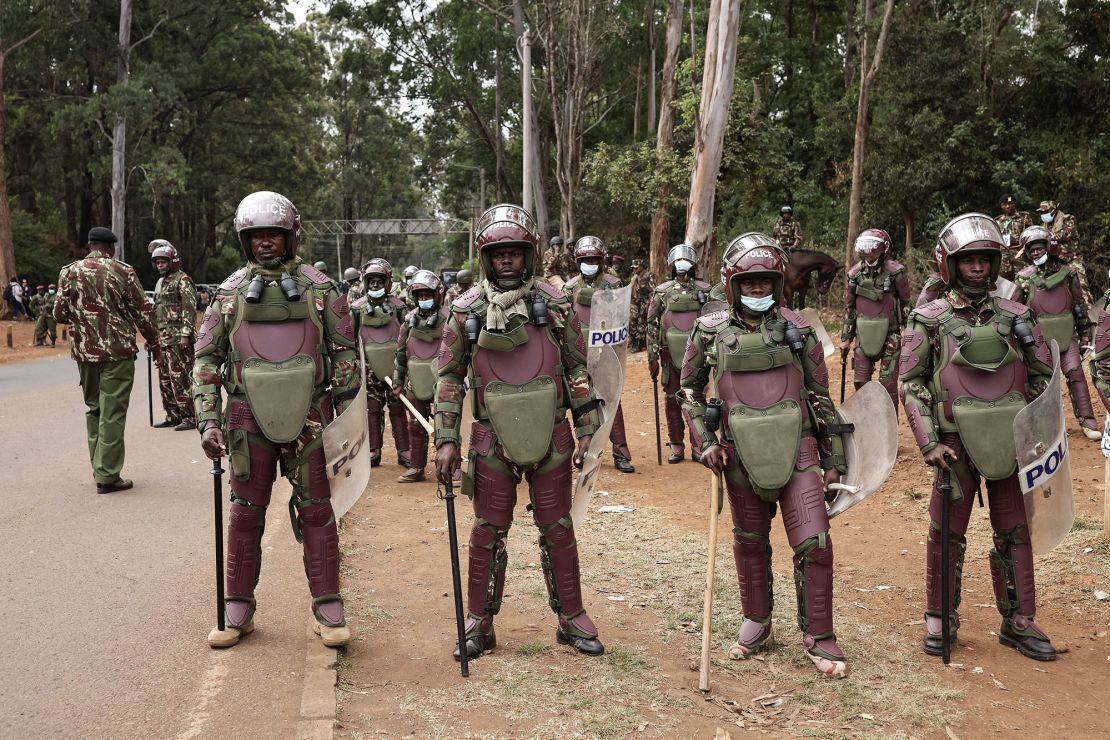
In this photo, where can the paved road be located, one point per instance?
(107, 599)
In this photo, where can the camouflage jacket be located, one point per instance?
(1064, 229)
(558, 261)
(175, 304)
(643, 286)
(788, 234)
(455, 353)
(40, 304)
(211, 370)
(101, 300)
(1012, 226)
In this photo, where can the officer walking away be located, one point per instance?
(509, 337)
(768, 364)
(175, 318)
(787, 232)
(104, 304)
(41, 307)
(1011, 222)
(1051, 290)
(671, 315)
(278, 338)
(589, 252)
(970, 362)
(643, 286)
(877, 302)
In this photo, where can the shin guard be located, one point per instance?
(486, 573)
(376, 421)
(813, 581)
(399, 424)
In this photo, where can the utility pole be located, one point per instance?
(526, 92)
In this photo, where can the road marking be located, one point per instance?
(211, 685)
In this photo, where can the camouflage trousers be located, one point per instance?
(1080, 271)
(175, 366)
(637, 330)
(43, 325)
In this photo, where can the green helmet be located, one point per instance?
(464, 277)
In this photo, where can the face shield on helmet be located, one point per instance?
(589, 253)
(162, 249)
(871, 246)
(971, 232)
(268, 210)
(506, 225)
(753, 255)
(377, 267)
(427, 280)
(1035, 234)
(681, 259)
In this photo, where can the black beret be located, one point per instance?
(102, 234)
(1007, 198)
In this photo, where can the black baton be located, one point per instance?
(456, 578)
(843, 370)
(150, 386)
(218, 506)
(658, 438)
(945, 529)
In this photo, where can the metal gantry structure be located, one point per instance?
(387, 227)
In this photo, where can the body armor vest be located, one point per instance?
(683, 304)
(1051, 299)
(584, 295)
(277, 359)
(876, 311)
(422, 346)
(761, 385)
(379, 326)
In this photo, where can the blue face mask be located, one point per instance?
(427, 305)
(376, 293)
(758, 305)
(1041, 260)
(1046, 217)
(587, 269)
(682, 266)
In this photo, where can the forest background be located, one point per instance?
(386, 109)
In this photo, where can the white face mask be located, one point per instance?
(587, 269)
(427, 304)
(758, 305)
(683, 266)
(1046, 217)
(376, 293)
(1041, 260)
(871, 263)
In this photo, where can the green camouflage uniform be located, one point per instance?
(44, 322)
(643, 287)
(104, 304)
(788, 234)
(175, 317)
(558, 263)
(1067, 234)
(1012, 226)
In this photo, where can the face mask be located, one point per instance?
(52, 292)
(1041, 260)
(376, 293)
(683, 266)
(1046, 217)
(587, 269)
(871, 263)
(427, 305)
(758, 305)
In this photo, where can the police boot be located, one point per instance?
(678, 454)
(933, 642)
(412, 475)
(330, 624)
(480, 638)
(185, 426)
(165, 424)
(580, 633)
(1020, 633)
(403, 459)
(752, 637)
(238, 621)
(375, 457)
(623, 464)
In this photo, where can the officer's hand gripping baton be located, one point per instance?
(217, 499)
(945, 487)
(456, 578)
(412, 409)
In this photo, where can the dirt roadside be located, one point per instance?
(23, 337)
(644, 573)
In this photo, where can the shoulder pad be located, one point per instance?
(893, 267)
(932, 310)
(548, 289)
(408, 315)
(854, 269)
(396, 302)
(794, 318)
(701, 284)
(234, 280)
(1027, 272)
(666, 284)
(714, 320)
(313, 274)
(360, 302)
(1017, 309)
(463, 301)
(568, 285)
(611, 279)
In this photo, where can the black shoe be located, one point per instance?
(932, 644)
(676, 457)
(403, 460)
(477, 644)
(185, 426)
(120, 485)
(375, 458)
(166, 424)
(695, 456)
(623, 464)
(1029, 641)
(584, 645)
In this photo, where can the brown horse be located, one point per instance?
(802, 263)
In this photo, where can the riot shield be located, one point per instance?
(1044, 464)
(345, 450)
(1003, 288)
(871, 450)
(810, 315)
(606, 345)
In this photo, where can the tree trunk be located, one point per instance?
(7, 243)
(718, 76)
(651, 122)
(539, 193)
(660, 220)
(119, 135)
(499, 143)
(868, 69)
(636, 105)
(910, 257)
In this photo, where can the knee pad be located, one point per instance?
(316, 514)
(560, 534)
(244, 516)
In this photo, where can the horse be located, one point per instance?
(802, 263)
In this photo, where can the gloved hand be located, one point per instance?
(653, 368)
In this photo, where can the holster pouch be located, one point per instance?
(280, 394)
(986, 430)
